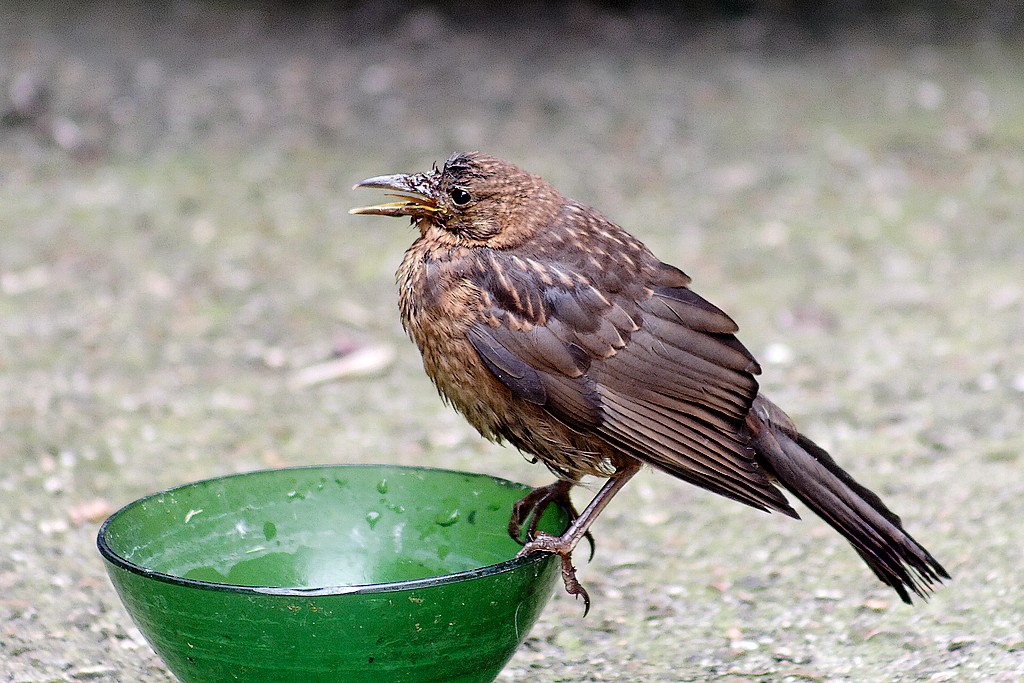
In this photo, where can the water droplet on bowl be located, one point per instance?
(447, 519)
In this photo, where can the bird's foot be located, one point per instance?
(578, 530)
(544, 542)
(530, 508)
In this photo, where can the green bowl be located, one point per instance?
(336, 573)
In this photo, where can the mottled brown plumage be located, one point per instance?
(551, 328)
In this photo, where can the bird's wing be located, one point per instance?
(655, 371)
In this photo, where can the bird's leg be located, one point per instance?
(564, 545)
(532, 506)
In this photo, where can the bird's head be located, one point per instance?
(474, 200)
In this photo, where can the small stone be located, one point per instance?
(876, 604)
(89, 673)
(94, 510)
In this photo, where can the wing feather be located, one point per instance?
(655, 373)
(728, 473)
(692, 310)
(514, 373)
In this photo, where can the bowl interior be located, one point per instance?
(317, 527)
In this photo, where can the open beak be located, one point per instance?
(414, 193)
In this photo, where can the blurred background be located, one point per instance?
(183, 295)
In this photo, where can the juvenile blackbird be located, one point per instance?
(553, 329)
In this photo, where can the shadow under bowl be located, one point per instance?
(334, 573)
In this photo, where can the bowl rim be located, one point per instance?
(120, 562)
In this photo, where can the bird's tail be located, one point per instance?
(808, 471)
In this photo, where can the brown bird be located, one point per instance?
(553, 329)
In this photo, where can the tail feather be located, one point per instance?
(809, 472)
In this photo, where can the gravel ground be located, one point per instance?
(176, 263)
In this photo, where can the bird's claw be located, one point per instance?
(572, 585)
(544, 542)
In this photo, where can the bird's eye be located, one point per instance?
(460, 197)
